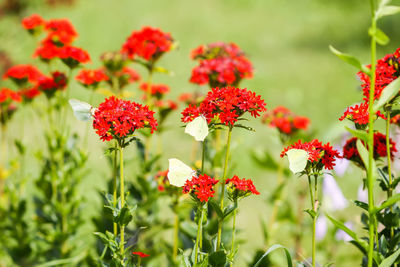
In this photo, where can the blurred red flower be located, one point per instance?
(285, 121)
(91, 77)
(33, 22)
(61, 32)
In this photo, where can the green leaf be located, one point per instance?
(273, 248)
(344, 228)
(389, 202)
(311, 212)
(364, 156)
(363, 135)
(387, 11)
(217, 258)
(380, 37)
(217, 209)
(361, 204)
(349, 59)
(228, 210)
(390, 260)
(388, 94)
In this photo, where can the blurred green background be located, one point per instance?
(286, 40)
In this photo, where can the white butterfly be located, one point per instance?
(198, 128)
(82, 110)
(297, 159)
(179, 172)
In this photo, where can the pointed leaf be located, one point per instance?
(380, 37)
(273, 248)
(349, 59)
(388, 262)
(389, 202)
(363, 135)
(387, 11)
(388, 94)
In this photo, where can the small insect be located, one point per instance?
(82, 110)
(198, 128)
(179, 172)
(297, 159)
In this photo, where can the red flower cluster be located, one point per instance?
(140, 254)
(60, 32)
(29, 94)
(166, 104)
(285, 121)
(319, 155)
(57, 44)
(220, 65)
(33, 23)
(91, 77)
(350, 151)
(201, 188)
(8, 100)
(157, 90)
(8, 95)
(238, 188)
(227, 104)
(148, 43)
(73, 56)
(21, 74)
(117, 118)
(387, 70)
(50, 85)
(125, 76)
(395, 120)
(359, 114)
(191, 98)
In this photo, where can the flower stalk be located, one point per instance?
(222, 194)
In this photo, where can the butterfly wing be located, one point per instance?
(297, 159)
(82, 110)
(198, 128)
(179, 172)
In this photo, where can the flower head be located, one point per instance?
(220, 65)
(156, 90)
(29, 94)
(359, 114)
(350, 151)
(21, 74)
(117, 118)
(34, 23)
(238, 188)
(148, 43)
(8, 101)
(60, 32)
(319, 155)
(50, 85)
(226, 104)
(91, 78)
(73, 56)
(285, 121)
(114, 61)
(200, 188)
(47, 51)
(140, 254)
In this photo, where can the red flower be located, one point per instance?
(117, 118)
(148, 43)
(191, 98)
(125, 76)
(33, 22)
(220, 65)
(8, 95)
(359, 114)
(285, 121)
(91, 77)
(61, 32)
(240, 187)
(319, 155)
(47, 51)
(157, 90)
(201, 188)
(395, 119)
(73, 56)
(227, 104)
(50, 85)
(140, 254)
(29, 94)
(350, 151)
(23, 73)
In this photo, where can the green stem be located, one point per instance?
(370, 174)
(122, 194)
(64, 107)
(228, 143)
(115, 171)
(233, 232)
(199, 232)
(389, 162)
(149, 104)
(176, 237)
(315, 208)
(203, 156)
